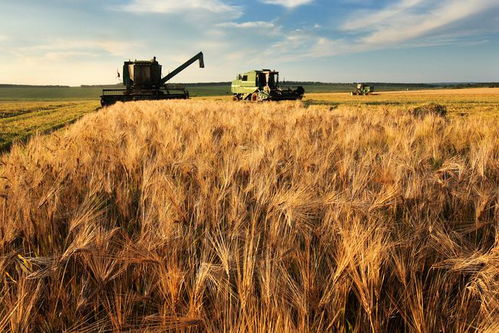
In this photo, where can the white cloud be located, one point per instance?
(410, 23)
(175, 6)
(63, 55)
(61, 71)
(410, 19)
(247, 25)
(288, 3)
(117, 48)
(365, 20)
(300, 45)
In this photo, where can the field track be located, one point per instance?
(20, 120)
(432, 92)
(459, 102)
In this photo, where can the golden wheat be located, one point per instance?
(209, 216)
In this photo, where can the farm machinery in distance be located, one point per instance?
(362, 89)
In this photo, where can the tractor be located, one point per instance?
(263, 85)
(142, 80)
(362, 89)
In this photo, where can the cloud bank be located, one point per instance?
(288, 3)
(410, 19)
(176, 6)
(247, 25)
(236, 35)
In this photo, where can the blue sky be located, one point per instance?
(84, 41)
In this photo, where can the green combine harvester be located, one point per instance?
(263, 85)
(142, 80)
(362, 89)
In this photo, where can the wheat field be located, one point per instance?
(21, 119)
(214, 216)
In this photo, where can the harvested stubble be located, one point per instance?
(213, 216)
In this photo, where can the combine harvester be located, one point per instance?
(142, 81)
(262, 85)
(362, 89)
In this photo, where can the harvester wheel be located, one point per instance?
(254, 97)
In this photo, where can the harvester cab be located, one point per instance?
(142, 74)
(263, 85)
(142, 80)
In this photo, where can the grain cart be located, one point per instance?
(263, 85)
(363, 89)
(142, 80)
